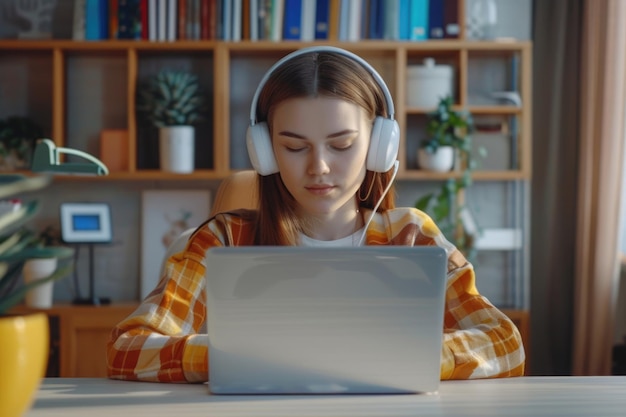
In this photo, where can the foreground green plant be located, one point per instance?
(18, 244)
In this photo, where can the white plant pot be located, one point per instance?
(176, 149)
(442, 160)
(36, 269)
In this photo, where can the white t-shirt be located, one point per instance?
(351, 240)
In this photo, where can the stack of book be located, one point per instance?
(275, 20)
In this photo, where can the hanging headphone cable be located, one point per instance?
(393, 177)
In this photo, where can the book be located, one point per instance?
(236, 17)
(376, 18)
(162, 20)
(143, 12)
(265, 19)
(129, 19)
(245, 20)
(114, 18)
(418, 20)
(365, 18)
(96, 20)
(322, 8)
(451, 27)
(152, 20)
(333, 19)
(192, 11)
(308, 20)
(404, 30)
(435, 19)
(278, 9)
(354, 20)
(292, 24)
(344, 19)
(181, 25)
(254, 20)
(213, 19)
(208, 10)
(172, 21)
(391, 17)
(78, 29)
(224, 19)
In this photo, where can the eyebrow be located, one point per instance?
(331, 136)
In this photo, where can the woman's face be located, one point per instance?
(321, 146)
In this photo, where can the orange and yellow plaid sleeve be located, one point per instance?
(160, 340)
(479, 341)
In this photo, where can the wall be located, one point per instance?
(514, 18)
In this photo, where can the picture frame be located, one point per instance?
(165, 214)
(86, 223)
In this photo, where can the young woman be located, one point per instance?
(323, 138)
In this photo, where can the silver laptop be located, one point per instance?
(296, 320)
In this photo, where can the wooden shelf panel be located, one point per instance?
(224, 63)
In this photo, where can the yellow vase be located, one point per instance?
(23, 361)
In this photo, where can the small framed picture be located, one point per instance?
(165, 215)
(86, 223)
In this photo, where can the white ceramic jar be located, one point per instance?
(428, 83)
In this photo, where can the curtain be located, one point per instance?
(578, 139)
(556, 91)
(603, 69)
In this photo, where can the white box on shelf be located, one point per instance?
(499, 239)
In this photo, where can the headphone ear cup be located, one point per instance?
(384, 142)
(260, 150)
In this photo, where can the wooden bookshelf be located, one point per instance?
(221, 65)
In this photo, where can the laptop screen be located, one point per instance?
(286, 320)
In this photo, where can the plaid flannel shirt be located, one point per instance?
(160, 340)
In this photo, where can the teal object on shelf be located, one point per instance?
(47, 159)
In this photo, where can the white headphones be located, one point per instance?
(384, 140)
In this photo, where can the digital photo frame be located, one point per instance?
(86, 223)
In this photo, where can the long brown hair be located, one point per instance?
(312, 75)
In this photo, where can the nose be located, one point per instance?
(318, 163)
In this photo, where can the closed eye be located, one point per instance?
(295, 149)
(342, 148)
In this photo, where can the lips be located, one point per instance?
(319, 189)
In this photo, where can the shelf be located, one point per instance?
(476, 175)
(229, 72)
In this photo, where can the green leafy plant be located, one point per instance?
(17, 139)
(19, 244)
(171, 98)
(449, 127)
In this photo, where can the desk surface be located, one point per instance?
(525, 396)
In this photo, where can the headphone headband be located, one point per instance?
(340, 51)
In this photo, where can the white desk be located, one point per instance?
(526, 396)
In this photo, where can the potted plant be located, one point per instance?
(451, 129)
(173, 102)
(449, 137)
(41, 266)
(17, 139)
(25, 337)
